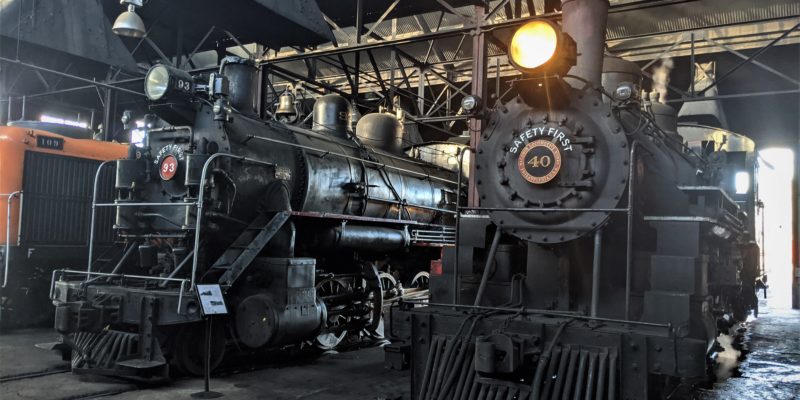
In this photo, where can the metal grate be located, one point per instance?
(444, 235)
(58, 199)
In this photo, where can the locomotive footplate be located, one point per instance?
(519, 352)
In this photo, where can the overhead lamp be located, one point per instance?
(540, 46)
(130, 24)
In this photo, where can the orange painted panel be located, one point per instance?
(15, 141)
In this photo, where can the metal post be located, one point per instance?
(692, 67)
(24, 102)
(207, 393)
(479, 60)
(598, 241)
(421, 91)
(94, 215)
(357, 55)
(108, 134)
(456, 288)
(488, 266)
(629, 241)
(7, 255)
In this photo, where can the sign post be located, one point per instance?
(211, 303)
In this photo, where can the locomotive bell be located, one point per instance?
(285, 104)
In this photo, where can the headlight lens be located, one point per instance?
(156, 82)
(533, 44)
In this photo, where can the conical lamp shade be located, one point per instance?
(129, 24)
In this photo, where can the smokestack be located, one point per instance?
(585, 21)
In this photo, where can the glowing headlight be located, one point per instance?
(539, 44)
(742, 182)
(533, 44)
(162, 81)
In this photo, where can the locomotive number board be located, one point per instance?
(49, 142)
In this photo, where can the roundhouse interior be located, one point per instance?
(399, 199)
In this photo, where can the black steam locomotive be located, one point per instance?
(606, 255)
(292, 223)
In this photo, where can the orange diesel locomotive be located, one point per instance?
(46, 177)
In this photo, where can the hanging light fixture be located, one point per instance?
(129, 23)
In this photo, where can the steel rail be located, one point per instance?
(564, 314)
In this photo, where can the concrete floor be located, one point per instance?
(771, 370)
(771, 366)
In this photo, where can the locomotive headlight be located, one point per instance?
(538, 46)
(163, 81)
(471, 104)
(742, 182)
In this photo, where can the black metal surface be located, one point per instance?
(264, 208)
(630, 314)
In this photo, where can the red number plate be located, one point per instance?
(169, 166)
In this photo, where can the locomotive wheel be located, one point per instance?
(388, 285)
(421, 280)
(374, 287)
(329, 340)
(188, 348)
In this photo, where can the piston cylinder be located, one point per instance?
(373, 238)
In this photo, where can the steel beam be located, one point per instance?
(69, 76)
(753, 61)
(752, 57)
(383, 16)
(479, 69)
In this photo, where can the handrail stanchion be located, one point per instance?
(7, 255)
(201, 194)
(629, 245)
(94, 215)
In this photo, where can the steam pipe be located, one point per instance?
(488, 266)
(598, 240)
(585, 22)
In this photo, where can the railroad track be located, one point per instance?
(29, 375)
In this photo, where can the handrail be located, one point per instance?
(7, 255)
(198, 222)
(629, 231)
(200, 196)
(94, 214)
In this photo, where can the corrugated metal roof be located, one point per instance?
(633, 33)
